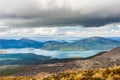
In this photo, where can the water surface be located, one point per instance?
(54, 54)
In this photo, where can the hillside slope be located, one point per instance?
(103, 60)
(113, 54)
(111, 73)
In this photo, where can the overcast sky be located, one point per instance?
(35, 18)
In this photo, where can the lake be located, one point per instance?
(54, 54)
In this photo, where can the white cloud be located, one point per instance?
(108, 30)
(59, 12)
(28, 32)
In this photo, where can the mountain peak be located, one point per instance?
(24, 39)
(96, 38)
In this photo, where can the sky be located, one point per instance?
(59, 18)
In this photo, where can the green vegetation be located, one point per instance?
(22, 59)
(112, 73)
(8, 72)
(4, 67)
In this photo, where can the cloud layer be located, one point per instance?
(37, 13)
(60, 32)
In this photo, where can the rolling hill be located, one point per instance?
(103, 60)
(22, 59)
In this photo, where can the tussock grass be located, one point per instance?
(112, 73)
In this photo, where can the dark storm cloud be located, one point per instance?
(59, 12)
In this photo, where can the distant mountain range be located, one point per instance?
(93, 43)
(22, 43)
(114, 38)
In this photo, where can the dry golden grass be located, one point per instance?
(112, 73)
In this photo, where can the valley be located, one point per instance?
(42, 62)
(101, 60)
